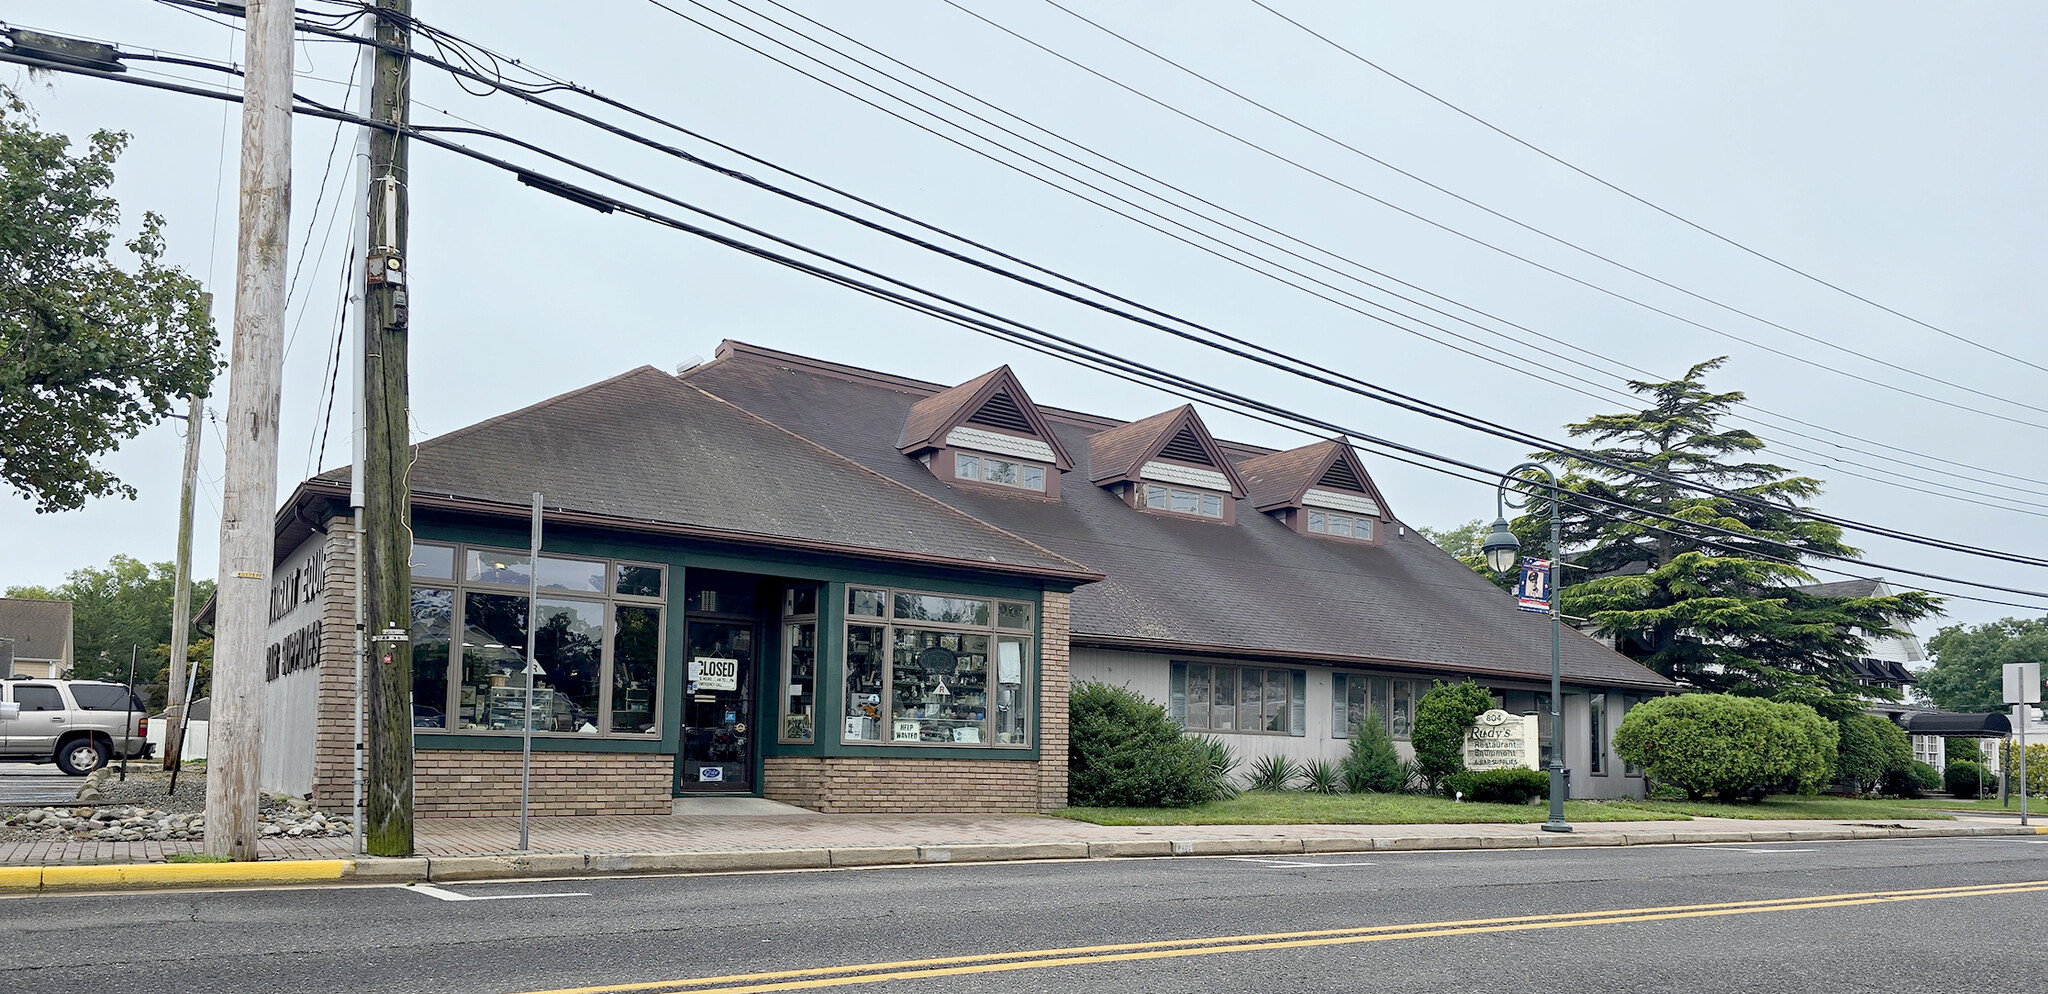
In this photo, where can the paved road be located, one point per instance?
(1635, 919)
(25, 785)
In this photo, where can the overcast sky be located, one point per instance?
(1890, 148)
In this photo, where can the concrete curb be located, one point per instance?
(454, 869)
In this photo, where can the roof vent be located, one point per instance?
(689, 364)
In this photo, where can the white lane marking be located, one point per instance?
(448, 895)
(1289, 862)
(1717, 848)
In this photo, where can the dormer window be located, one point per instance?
(1167, 462)
(1320, 490)
(1158, 498)
(1001, 472)
(986, 431)
(1340, 525)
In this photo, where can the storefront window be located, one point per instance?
(636, 653)
(433, 618)
(597, 656)
(800, 664)
(864, 658)
(937, 673)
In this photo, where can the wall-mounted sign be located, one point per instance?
(1499, 740)
(715, 673)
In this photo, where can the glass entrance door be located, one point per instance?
(718, 708)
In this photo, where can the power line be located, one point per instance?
(1403, 400)
(1688, 222)
(526, 91)
(1197, 232)
(431, 136)
(1832, 459)
(1517, 256)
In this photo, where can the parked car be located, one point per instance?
(77, 724)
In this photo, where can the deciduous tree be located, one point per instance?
(90, 353)
(1969, 662)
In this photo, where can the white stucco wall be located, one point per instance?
(291, 673)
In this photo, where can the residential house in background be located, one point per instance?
(40, 634)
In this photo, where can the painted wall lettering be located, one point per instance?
(299, 650)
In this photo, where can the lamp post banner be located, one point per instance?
(1533, 592)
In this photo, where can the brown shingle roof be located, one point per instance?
(931, 416)
(1253, 588)
(934, 416)
(645, 448)
(1279, 479)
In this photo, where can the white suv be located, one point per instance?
(77, 724)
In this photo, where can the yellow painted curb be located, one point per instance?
(15, 879)
(286, 871)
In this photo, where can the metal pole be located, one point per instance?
(184, 722)
(526, 723)
(359, 251)
(2020, 712)
(1556, 822)
(128, 713)
(1557, 782)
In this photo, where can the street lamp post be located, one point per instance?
(1501, 548)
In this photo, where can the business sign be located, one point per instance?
(1499, 741)
(2023, 683)
(715, 673)
(1533, 592)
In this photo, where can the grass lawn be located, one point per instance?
(1264, 807)
(1259, 807)
(2034, 805)
(1787, 806)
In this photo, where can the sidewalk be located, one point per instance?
(750, 834)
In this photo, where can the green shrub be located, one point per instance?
(1733, 747)
(1273, 773)
(1921, 778)
(1442, 718)
(1962, 776)
(1815, 764)
(1872, 749)
(1508, 786)
(1124, 751)
(1320, 776)
(1373, 764)
(1223, 763)
(2037, 767)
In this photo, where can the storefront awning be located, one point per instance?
(1957, 725)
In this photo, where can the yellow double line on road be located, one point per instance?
(869, 973)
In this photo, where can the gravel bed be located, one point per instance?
(143, 808)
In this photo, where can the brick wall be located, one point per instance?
(468, 783)
(1055, 688)
(335, 725)
(846, 784)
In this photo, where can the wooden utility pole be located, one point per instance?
(249, 488)
(181, 598)
(386, 545)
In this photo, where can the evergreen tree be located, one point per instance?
(1713, 612)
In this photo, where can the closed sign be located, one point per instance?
(714, 673)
